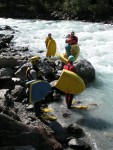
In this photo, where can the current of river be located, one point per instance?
(96, 45)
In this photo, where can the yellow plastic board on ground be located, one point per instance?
(51, 48)
(69, 82)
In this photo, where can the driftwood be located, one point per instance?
(15, 133)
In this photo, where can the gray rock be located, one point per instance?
(6, 72)
(85, 70)
(75, 130)
(9, 62)
(79, 144)
(18, 93)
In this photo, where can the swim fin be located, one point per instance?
(46, 110)
(80, 107)
(73, 101)
(49, 117)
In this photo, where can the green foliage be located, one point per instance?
(101, 11)
(79, 8)
(66, 5)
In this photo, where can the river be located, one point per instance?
(96, 45)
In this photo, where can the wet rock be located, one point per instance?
(7, 38)
(9, 61)
(20, 49)
(56, 96)
(7, 28)
(6, 82)
(15, 133)
(32, 117)
(17, 81)
(79, 144)
(27, 122)
(2, 92)
(11, 113)
(29, 107)
(18, 93)
(65, 115)
(46, 68)
(85, 70)
(21, 72)
(25, 101)
(8, 102)
(75, 130)
(6, 72)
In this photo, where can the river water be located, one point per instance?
(96, 45)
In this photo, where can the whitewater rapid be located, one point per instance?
(96, 45)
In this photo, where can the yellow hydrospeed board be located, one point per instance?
(75, 51)
(51, 48)
(69, 82)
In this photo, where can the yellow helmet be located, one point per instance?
(34, 60)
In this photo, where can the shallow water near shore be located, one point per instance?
(96, 45)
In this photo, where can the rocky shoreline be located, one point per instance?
(20, 127)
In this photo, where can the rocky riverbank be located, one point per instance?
(20, 126)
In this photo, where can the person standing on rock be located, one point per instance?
(72, 39)
(68, 49)
(48, 38)
(69, 66)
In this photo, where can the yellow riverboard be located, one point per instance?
(75, 51)
(38, 90)
(62, 58)
(51, 48)
(69, 82)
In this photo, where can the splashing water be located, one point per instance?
(96, 45)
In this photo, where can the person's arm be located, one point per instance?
(75, 40)
(33, 75)
(46, 42)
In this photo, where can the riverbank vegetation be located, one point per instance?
(88, 10)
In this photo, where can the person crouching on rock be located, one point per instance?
(33, 73)
(48, 38)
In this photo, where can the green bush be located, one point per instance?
(101, 11)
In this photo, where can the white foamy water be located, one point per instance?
(96, 45)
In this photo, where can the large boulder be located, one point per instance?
(9, 61)
(18, 93)
(5, 40)
(47, 69)
(21, 72)
(6, 82)
(6, 72)
(85, 70)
